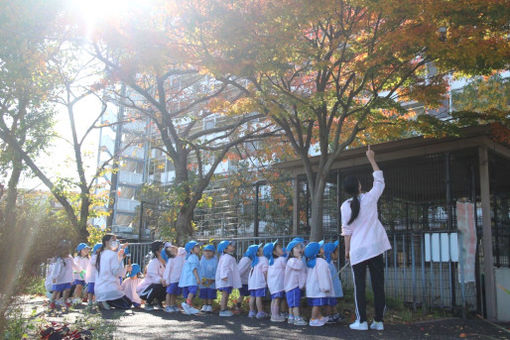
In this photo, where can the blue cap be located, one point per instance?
(81, 246)
(223, 245)
(209, 247)
(321, 243)
(190, 245)
(298, 239)
(251, 252)
(96, 248)
(330, 248)
(311, 251)
(268, 251)
(291, 246)
(135, 269)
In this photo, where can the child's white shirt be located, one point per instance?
(107, 286)
(244, 267)
(227, 273)
(295, 274)
(173, 267)
(276, 275)
(63, 273)
(90, 275)
(82, 263)
(154, 275)
(318, 280)
(129, 287)
(257, 278)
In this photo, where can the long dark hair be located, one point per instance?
(106, 238)
(351, 186)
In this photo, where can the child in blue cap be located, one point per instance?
(208, 265)
(275, 278)
(257, 281)
(131, 282)
(227, 275)
(331, 255)
(295, 279)
(81, 260)
(244, 266)
(90, 275)
(172, 275)
(190, 277)
(319, 286)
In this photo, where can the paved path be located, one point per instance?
(139, 324)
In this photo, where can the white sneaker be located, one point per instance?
(359, 326)
(204, 308)
(185, 308)
(148, 307)
(105, 305)
(377, 325)
(209, 309)
(290, 320)
(76, 301)
(226, 313)
(169, 309)
(252, 314)
(193, 310)
(277, 318)
(316, 322)
(299, 321)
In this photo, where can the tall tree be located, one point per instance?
(191, 112)
(324, 71)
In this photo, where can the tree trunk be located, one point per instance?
(183, 224)
(317, 207)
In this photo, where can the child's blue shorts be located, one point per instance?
(174, 289)
(90, 287)
(332, 301)
(318, 301)
(190, 289)
(258, 292)
(243, 291)
(279, 295)
(293, 297)
(61, 287)
(79, 282)
(207, 293)
(226, 289)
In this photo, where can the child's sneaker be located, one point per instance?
(359, 326)
(331, 319)
(67, 304)
(252, 314)
(148, 307)
(337, 317)
(105, 305)
(299, 321)
(377, 325)
(90, 303)
(210, 309)
(169, 309)
(53, 305)
(316, 322)
(285, 315)
(60, 303)
(290, 320)
(262, 315)
(277, 318)
(226, 313)
(204, 308)
(193, 310)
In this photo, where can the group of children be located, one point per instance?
(286, 273)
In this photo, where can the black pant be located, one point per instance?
(359, 271)
(154, 291)
(121, 303)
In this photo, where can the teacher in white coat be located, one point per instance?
(365, 243)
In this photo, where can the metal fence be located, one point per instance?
(421, 269)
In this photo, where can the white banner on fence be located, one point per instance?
(441, 247)
(467, 239)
